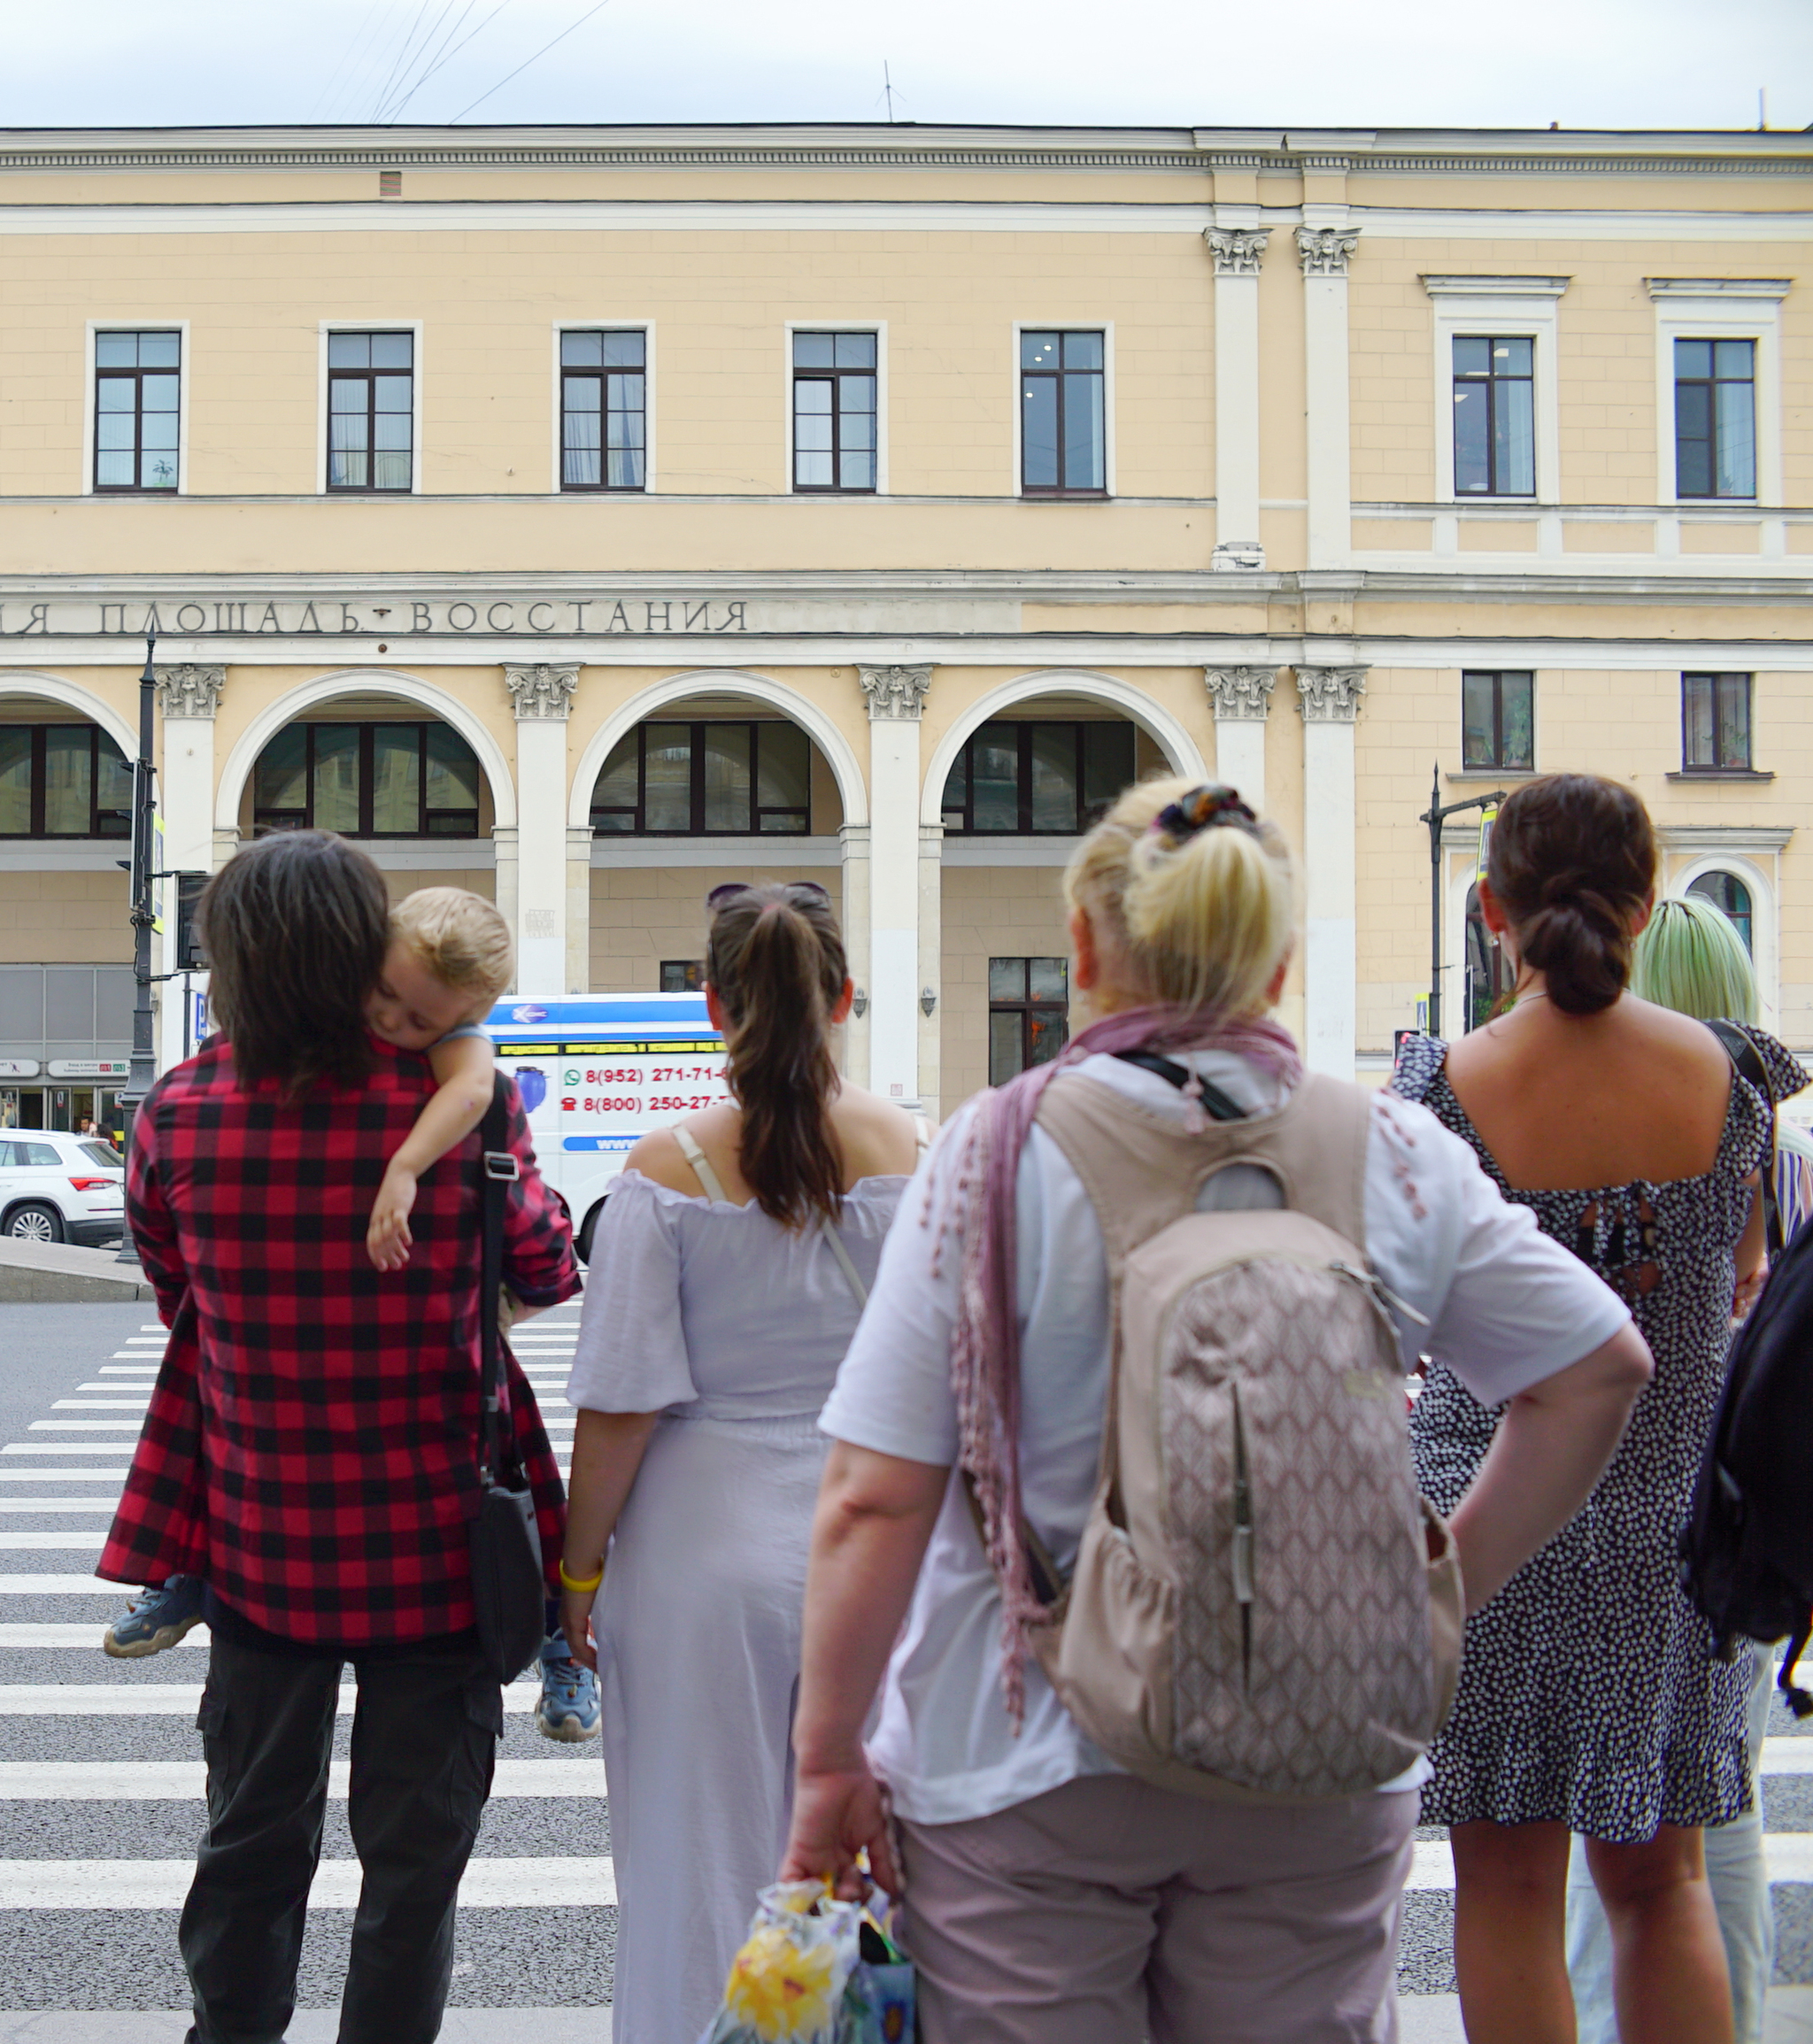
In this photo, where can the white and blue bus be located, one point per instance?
(597, 1070)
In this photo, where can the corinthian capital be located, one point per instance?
(1240, 695)
(192, 689)
(1324, 251)
(1330, 695)
(895, 695)
(1237, 251)
(542, 692)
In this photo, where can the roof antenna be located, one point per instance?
(888, 88)
(1762, 106)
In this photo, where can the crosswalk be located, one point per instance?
(102, 1780)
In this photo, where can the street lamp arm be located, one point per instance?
(1437, 814)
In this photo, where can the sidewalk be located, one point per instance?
(1436, 2018)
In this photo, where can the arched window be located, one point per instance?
(1486, 977)
(1726, 892)
(414, 780)
(751, 778)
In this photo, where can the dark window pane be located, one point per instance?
(615, 786)
(1734, 720)
(682, 975)
(815, 350)
(15, 781)
(1083, 351)
(349, 350)
(280, 780)
(1729, 894)
(626, 349)
(1697, 720)
(393, 351)
(1472, 439)
(1005, 1059)
(1006, 979)
(995, 770)
(1108, 766)
(727, 777)
(1038, 453)
(956, 797)
(1054, 777)
(1472, 355)
(116, 351)
(1047, 1029)
(112, 788)
(336, 778)
(1516, 722)
(669, 777)
(68, 780)
(784, 760)
(452, 782)
(1478, 721)
(397, 780)
(1048, 979)
(1039, 350)
(582, 351)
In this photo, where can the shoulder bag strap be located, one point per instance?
(498, 1172)
(1747, 1061)
(702, 1170)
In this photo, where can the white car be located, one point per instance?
(59, 1188)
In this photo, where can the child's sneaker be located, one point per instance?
(155, 1619)
(568, 1709)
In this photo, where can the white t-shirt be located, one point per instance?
(1506, 1307)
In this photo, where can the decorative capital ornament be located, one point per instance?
(1240, 695)
(895, 695)
(1330, 695)
(191, 690)
(1237, 251)
(542, 692)
(1324, 251)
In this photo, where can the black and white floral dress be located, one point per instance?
(1588, 1694)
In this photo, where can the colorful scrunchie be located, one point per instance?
(1202, 809)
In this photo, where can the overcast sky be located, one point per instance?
(1200, 63)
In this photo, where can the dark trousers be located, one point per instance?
(424, 1742)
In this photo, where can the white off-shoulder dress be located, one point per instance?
(732, 1328)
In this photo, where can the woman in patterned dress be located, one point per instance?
(1589, 1698)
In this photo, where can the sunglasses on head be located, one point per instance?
(720, 895)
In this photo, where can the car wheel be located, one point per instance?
(34, 1223)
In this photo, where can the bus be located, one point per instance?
(596, 1071)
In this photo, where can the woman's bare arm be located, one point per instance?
(607, 1451)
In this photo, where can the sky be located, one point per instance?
(1666, 64)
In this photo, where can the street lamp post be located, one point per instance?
(144, 803)
(1435, 816)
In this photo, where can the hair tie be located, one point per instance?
(1202, 809)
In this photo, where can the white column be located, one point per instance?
(541, 696)
(190, 697)
(896, 699)
(1324, 250)
(931, 963)
(1237, 242)
(579, 909)
(853, 839)
(1242, 700)
(504, 851)
(1330, 700)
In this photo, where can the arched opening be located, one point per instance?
(1728, 894)
(1487, 978)
(367, 767)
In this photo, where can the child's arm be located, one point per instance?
(464, 1066)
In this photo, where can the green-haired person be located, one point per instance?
(1690, 958)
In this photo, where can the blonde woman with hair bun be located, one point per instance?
(1051, 1898)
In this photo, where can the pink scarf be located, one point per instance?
(985, 1340)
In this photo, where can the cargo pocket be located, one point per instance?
(475, 1756)
(210, 1722)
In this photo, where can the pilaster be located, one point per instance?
(579, 909)
(188, 696)
(1328, 699)
(1242, 700)
(1325, 244)
(1237, 245)
(931, 963)
(895, 697)
(854, 842)
(541, 693)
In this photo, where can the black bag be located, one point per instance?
(509, 1595)
(1749, 1061)
(1747, 1550)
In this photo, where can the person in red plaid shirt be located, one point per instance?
(311, 1450)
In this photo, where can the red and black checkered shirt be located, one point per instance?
(311, 1448)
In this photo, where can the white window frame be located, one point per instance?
(184, 391)
(360, 326)
(1467, 307)
(1074, 323)
(879, 328)
(1530, 772)
(616, 324)
(1720, 309)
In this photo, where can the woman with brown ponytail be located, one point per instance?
(727, 1279)
(1588, 1699)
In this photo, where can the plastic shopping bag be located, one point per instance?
(787, 1983)
(879, 2002)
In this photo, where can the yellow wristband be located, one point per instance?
(574, 1583)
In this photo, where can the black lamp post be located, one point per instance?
(1435, 816)
(144, 804)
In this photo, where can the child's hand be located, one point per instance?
(388, 1240)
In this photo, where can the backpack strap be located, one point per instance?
(1747, 1060)
(707, 1177)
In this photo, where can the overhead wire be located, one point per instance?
(348, 54)
(449, 54)
(396, 62)
(537, 59)
(431, 51)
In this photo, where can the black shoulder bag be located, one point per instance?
(1744, 1055)
(508, 1593)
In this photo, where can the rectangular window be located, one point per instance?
(834, 411)
(63, 780)
(703, 780)
(1716, 419)
(371, 412)
(138, 403)
(1498, 722)
(1494, 416)
(1063, 444)
(367, 781)
(1029, 1013)
(603, 409)
(682, 974)
(1716, 723)
(1037, 779)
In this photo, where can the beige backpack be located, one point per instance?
(1262, 1606)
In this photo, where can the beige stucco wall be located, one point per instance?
(640, 914)
(48, 918)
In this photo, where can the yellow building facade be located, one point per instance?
(588, 516)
